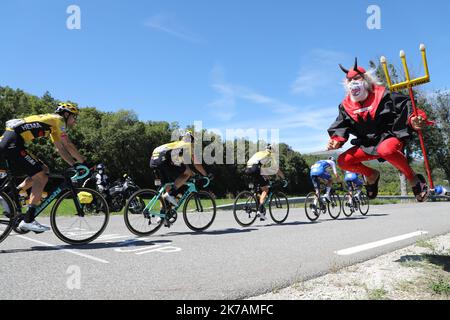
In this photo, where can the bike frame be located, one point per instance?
(66, 185)
(192, 188)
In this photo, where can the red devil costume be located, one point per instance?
(381, 122)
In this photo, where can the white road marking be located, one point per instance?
(66, 250)
(376, 244)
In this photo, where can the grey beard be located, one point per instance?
(361, 97)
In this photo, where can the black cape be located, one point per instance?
(390, 120)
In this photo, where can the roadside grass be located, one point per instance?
(434, 267)
(376, 294)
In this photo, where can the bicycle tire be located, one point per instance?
(250, 207)
(199, 207)
(364, 200)
(130, 215)
(335, 203)
(311, 206)
(347, 208)
(278, 199)
(6, 223)
(65, 235)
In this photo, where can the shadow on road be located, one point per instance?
(90, 246)
(209, 233)
(295, 223)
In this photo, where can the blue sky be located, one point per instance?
(231, 64)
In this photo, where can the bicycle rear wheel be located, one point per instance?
(139, 221)
(73, 228)
(312, 206)
(199, 211)
(334, 207)
(347, 205)
(363, 204)
(279, 207)
(7, 212)
(245, 208)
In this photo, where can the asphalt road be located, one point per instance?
(226, 262)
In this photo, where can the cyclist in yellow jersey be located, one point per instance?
(261, 166)
(20, 132)
(172, 163)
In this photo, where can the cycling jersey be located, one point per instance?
(267, 160)
(441, 191)
(320, 168)
(33, 127)
(353, 178)
(178, 151)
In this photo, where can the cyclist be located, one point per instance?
(320, 174)
(441, 191)
(261, 166)
(173, 161)
(353, 182)
(13, 145)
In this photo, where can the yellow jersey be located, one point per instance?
(38, 126)
(267, 160)
(178, 150)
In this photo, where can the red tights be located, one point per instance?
(389, 150)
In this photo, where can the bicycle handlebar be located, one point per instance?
(77, 175)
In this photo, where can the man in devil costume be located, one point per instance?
(382, 122)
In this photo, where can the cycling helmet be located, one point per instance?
(67, 107)
(269, 147)
(101, 166)
(188, 136)
(332, 159)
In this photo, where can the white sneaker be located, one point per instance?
(33, 226)
(166, 196)
(327, 197)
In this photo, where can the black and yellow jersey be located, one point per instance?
(178, 150)
(38, 126)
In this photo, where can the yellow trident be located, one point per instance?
(409, 84)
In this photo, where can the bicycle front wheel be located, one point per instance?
(312, 206)
(75, 227)
(199, 211)
(245, 208)
(334, 206)
(363, 204)
(139, 219)
(279, 207)
(7, 212)
(347, 205)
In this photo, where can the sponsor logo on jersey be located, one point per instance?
(31, 126)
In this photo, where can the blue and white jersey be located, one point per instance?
(441, 191)
(352, 177)
(320, 168)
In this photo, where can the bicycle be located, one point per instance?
(246, 205)
(315, 205)
(199, 209)
(355, 202)
(78, 216)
